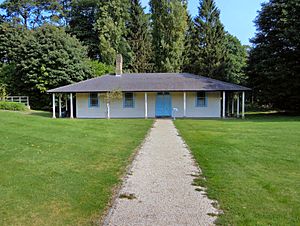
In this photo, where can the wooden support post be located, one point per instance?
(184, 104)
(232, 105)
(146, 105)
(27, 101)
(71, 105)
(224, 104)
(108, 110)
(243, 105)
(238, 106)
(66, 103)
(59, 106)
(53, 105)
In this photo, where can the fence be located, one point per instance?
(18, 99)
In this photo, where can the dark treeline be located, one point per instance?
(49, 43)
(274, 61)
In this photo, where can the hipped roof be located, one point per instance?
(149, 82)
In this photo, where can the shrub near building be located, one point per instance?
(12, 106)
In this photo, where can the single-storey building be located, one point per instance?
(150, 95)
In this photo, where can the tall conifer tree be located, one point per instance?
(169, 24)
(210, 42)
(111, 27)
(82, 18)
(139, 38)
(188, 53)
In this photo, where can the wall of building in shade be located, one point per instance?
(117, 109)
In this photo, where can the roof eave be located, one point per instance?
(160, 90)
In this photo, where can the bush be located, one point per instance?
(12, 106)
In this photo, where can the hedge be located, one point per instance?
(12, 106)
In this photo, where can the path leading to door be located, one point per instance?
(158, 189)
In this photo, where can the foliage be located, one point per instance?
(169, 25)
(7, 72)
(44, 58)
(111, 28)
(98, 68)
(47, 178)
(139, 38)
(245, 162)
(113, 96)
(274, 68)
(3, 92)
(83, 15)
(12, 106)
(33, 13)
(188, 53)
(209, 50)
(236, 60)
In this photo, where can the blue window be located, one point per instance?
(201, 99)
(128, 100)
(93, 100)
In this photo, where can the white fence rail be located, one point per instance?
(18, 99)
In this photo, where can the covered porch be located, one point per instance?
(232, 104)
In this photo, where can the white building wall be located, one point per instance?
(117, 110)
(213, 108)
(84, 111)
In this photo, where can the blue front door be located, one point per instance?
(163, 105)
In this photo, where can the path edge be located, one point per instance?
(215, 202)
(116, 190)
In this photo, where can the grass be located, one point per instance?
(62, 171)
(252, 167)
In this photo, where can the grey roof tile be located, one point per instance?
(141, 82)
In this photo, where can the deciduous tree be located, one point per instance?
(42, 59)
(236, 60)
(274, 65)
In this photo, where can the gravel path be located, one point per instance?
(158, 189)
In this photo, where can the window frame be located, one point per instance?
(91, 98)
(124, 100)
(201, 101)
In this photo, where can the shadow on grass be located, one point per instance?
(272, 116)
(256, 117)
(45, 114)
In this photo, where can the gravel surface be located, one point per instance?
(158, 190)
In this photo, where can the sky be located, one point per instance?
(236, 15)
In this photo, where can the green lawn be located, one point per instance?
(61, 172)
(252, 167)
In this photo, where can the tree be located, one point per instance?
(111, 28)
(169, 24)
(42, 59)
(188, 53)
(110, 97)
(3, 93)
(83, 16)
(274, 67)
(2, 19)
(139, 38)
(32, 13)
(99, 69)
(236, 60)
(210, 42)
